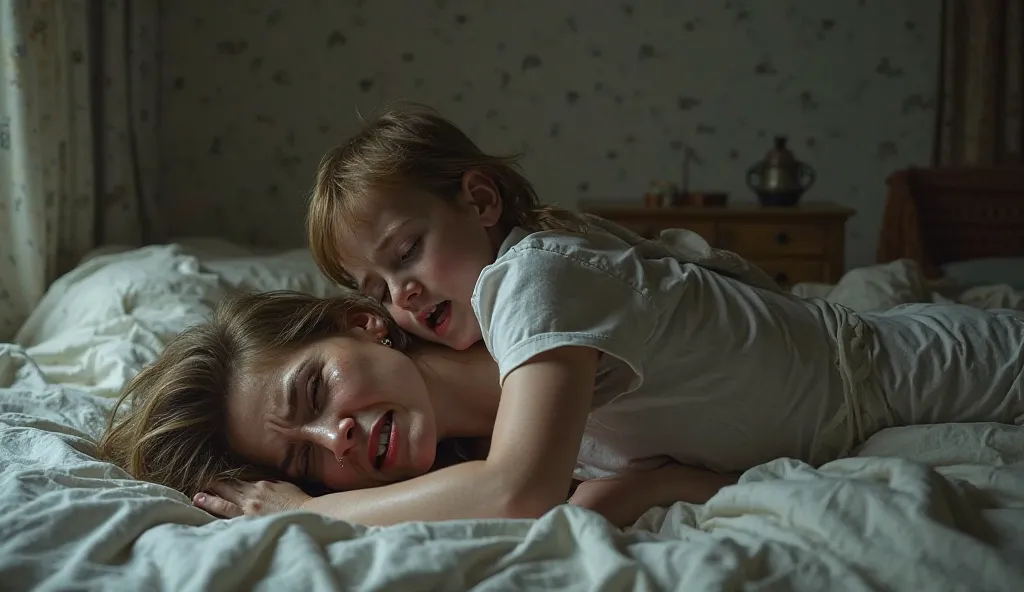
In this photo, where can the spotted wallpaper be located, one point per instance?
(601, 96)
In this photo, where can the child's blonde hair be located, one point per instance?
(416, 148)
(169, 425)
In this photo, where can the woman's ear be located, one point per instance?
(481, 193)
(373, 325)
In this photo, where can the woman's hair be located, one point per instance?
(414, 148)
(170, 424)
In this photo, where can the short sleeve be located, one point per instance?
(533, 300)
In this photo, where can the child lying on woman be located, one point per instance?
(365, 407)
(613, 352)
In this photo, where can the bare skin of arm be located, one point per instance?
(526, 471)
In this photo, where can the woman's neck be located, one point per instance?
(463, 388)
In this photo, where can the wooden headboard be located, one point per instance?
(940, 215)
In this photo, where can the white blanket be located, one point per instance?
(881, 287)
(924, 508)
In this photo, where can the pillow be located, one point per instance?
(880, 287)
(987, 272)
(101, 322)
(260, 270)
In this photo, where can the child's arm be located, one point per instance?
(623, 499)
(539, 426)
(536, 439)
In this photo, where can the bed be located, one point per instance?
(923, 508)
(946, 219)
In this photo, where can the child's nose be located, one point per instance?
(406, 294)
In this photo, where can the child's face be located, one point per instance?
(320, 414)
(421, 256)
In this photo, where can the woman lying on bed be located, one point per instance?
(285, 386)
(282, 387)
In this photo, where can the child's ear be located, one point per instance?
(480, 192)
(373, 325)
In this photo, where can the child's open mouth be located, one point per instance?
(437, 320)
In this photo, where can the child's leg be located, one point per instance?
(951, 363)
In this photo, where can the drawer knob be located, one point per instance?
(782, 238)
(781, 278)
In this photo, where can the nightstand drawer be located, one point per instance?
(787, 272)
(758, 239)
(803, 243)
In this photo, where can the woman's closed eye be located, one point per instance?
(307, 453)
(313, 396)
(313, 393)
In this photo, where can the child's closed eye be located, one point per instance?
(411, 249)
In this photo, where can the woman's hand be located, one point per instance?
(233, 498)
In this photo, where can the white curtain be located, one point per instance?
(78, 149)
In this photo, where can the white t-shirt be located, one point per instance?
(711, 371)
(697, 367)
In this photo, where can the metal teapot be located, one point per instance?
(780, 179)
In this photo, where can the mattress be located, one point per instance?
(920, 508)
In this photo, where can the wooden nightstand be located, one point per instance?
(805, 243)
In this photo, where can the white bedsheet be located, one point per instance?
(924, 508)
(883, 286)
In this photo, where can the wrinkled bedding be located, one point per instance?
(884, 286)
(922, 508)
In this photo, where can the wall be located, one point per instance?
(602, 96)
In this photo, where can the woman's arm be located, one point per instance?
(536, 439)
(622, 500)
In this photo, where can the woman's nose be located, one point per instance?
(340, 438)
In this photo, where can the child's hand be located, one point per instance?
(233, 498)
(620, 500)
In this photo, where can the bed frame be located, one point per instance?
(940, 215)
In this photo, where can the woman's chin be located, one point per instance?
(422, 464)
(422, 450)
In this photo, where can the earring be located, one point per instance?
(386, 342)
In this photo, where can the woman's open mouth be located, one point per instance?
(438, 319)
(384, 454)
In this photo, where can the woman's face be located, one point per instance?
(346, 412)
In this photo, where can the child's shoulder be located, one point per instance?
(586, 260)
(584, 245)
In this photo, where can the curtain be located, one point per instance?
(980, 100)
(78, 147)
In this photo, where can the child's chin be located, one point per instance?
(465, 342)
(430, 336)
(469, 343)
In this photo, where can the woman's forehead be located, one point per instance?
(262, 371)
